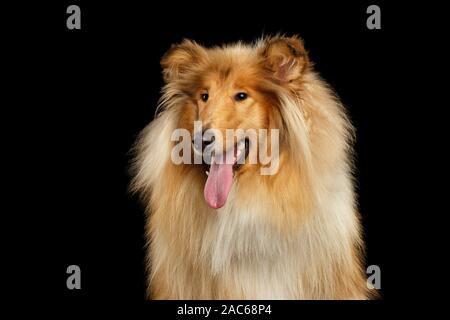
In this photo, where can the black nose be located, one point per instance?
(202, 142)
(207, 140)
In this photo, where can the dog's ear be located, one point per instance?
(180, 59)
(285, 57)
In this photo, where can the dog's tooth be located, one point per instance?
(207, 173)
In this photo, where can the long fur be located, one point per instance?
(292, 235)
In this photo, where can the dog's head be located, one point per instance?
(230, 98)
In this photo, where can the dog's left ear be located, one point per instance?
(286, 57)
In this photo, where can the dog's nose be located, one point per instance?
(207, 141)
(201, 141)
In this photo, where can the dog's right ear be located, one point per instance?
(180, 59)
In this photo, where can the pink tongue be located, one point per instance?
(218, 184)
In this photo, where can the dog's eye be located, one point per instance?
(204, 97)
(240, 96)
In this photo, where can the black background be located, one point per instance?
(94, 89)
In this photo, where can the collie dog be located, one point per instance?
(219, 229)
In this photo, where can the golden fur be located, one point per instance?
(291, 235)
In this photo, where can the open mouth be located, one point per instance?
(240, 154)
(221, 172)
